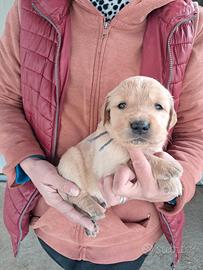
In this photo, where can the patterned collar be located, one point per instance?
(109, 8)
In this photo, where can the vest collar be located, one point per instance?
(53, 9)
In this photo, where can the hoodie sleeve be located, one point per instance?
(187, 137)
(17, 140)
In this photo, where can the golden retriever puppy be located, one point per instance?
(139, 111)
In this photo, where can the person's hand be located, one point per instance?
(46, 179)
(138, 183)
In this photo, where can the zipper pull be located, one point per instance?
(106, 28)
(106, 24)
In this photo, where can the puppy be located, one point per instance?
(140, 112)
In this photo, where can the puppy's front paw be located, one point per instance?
(170, 183)
(172, 170)
(164, 169)
(171, 186)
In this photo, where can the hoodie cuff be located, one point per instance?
(14, 157)
(21, 176)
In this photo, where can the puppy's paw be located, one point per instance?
(86, 204)
(166, 170)
(171, 186)
(172, 170)
(100, 201)
(94, 232)
(94, 210)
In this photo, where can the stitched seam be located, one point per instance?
(34, 13)
(168, 22)
(176, 82)
(11, 200)
(19, 190)
(36, 123)
(34, 52)
(180, 44)
(11, 220)
(29, 31)
(47, 135)
(38, 92)
(179, 64)
(36, 108)
(23, 66)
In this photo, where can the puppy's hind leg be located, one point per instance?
(85, 204)
(72, 167)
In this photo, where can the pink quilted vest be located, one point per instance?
(167, 47)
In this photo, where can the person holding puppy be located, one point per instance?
(59, 59)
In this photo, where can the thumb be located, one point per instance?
(122, 179)
(165, 155)
(141, 167)
(67, 186)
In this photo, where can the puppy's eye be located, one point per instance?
(122, 105)
(158, 106)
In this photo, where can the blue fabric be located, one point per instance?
(21, 176)
(172, 202)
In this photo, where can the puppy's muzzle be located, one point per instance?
(140, 127)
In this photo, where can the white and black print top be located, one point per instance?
(109, 8)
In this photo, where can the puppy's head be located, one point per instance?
(139, 111)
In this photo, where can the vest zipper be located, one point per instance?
(95, 92)
(33, 196)
(79, 229)
(173, 241)
(169, 47)
(170, 79)
(56, 75)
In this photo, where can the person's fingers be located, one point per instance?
(49, 177)
(139, 162)
(66, 186)
(122, 179)
(164, 155)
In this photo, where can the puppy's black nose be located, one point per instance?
(140, 127)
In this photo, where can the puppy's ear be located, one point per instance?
(105, 114)
(172, 118)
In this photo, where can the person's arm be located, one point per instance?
(187, 139)
(17, 140)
